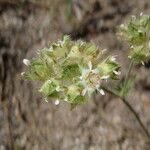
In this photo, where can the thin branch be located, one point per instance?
(131, 109)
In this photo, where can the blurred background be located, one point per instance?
(27, 122)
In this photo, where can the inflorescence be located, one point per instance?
(71, 70)
(137, 33)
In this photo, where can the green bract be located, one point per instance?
(137, 33)
(71, 70)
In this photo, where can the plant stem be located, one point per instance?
(131, 109)
(127, 77)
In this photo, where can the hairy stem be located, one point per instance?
(131, 109)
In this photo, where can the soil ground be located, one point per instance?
(27, 122)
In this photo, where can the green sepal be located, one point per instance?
(139, 53)
(71, 71)
(37, 70)
(74, 95)
(107, 67)
(49, 88)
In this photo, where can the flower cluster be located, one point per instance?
(137, 33)
(71, 70)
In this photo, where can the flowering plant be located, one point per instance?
(73, 70)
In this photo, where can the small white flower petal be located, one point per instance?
(80, 77)
(142, 63)
(141, 14)
(102, 91)
(105, 77)
(116, 72)
(66, 99)
(84, 92)
(122, 25)
(104, 50)
(90, 65)
(58, 88)
(57, 102)
(49, 81)
(26, 62)
(113, 58)
(46, 100)
(22, 73)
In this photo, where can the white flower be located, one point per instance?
(26, 62)
(91, 80)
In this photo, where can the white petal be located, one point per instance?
(66, 99)
(90, 65)
(80, 77)
(122, 25)
(22, 73)
(46, 100)
(49, 81)
(113, 58)
(57, 102)
(102, 91)
(116, 72)
(58, 88)
(142, 63)
(104, 51)
(26, 62)
(105, 77)
(141, 14)
(84, 92)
